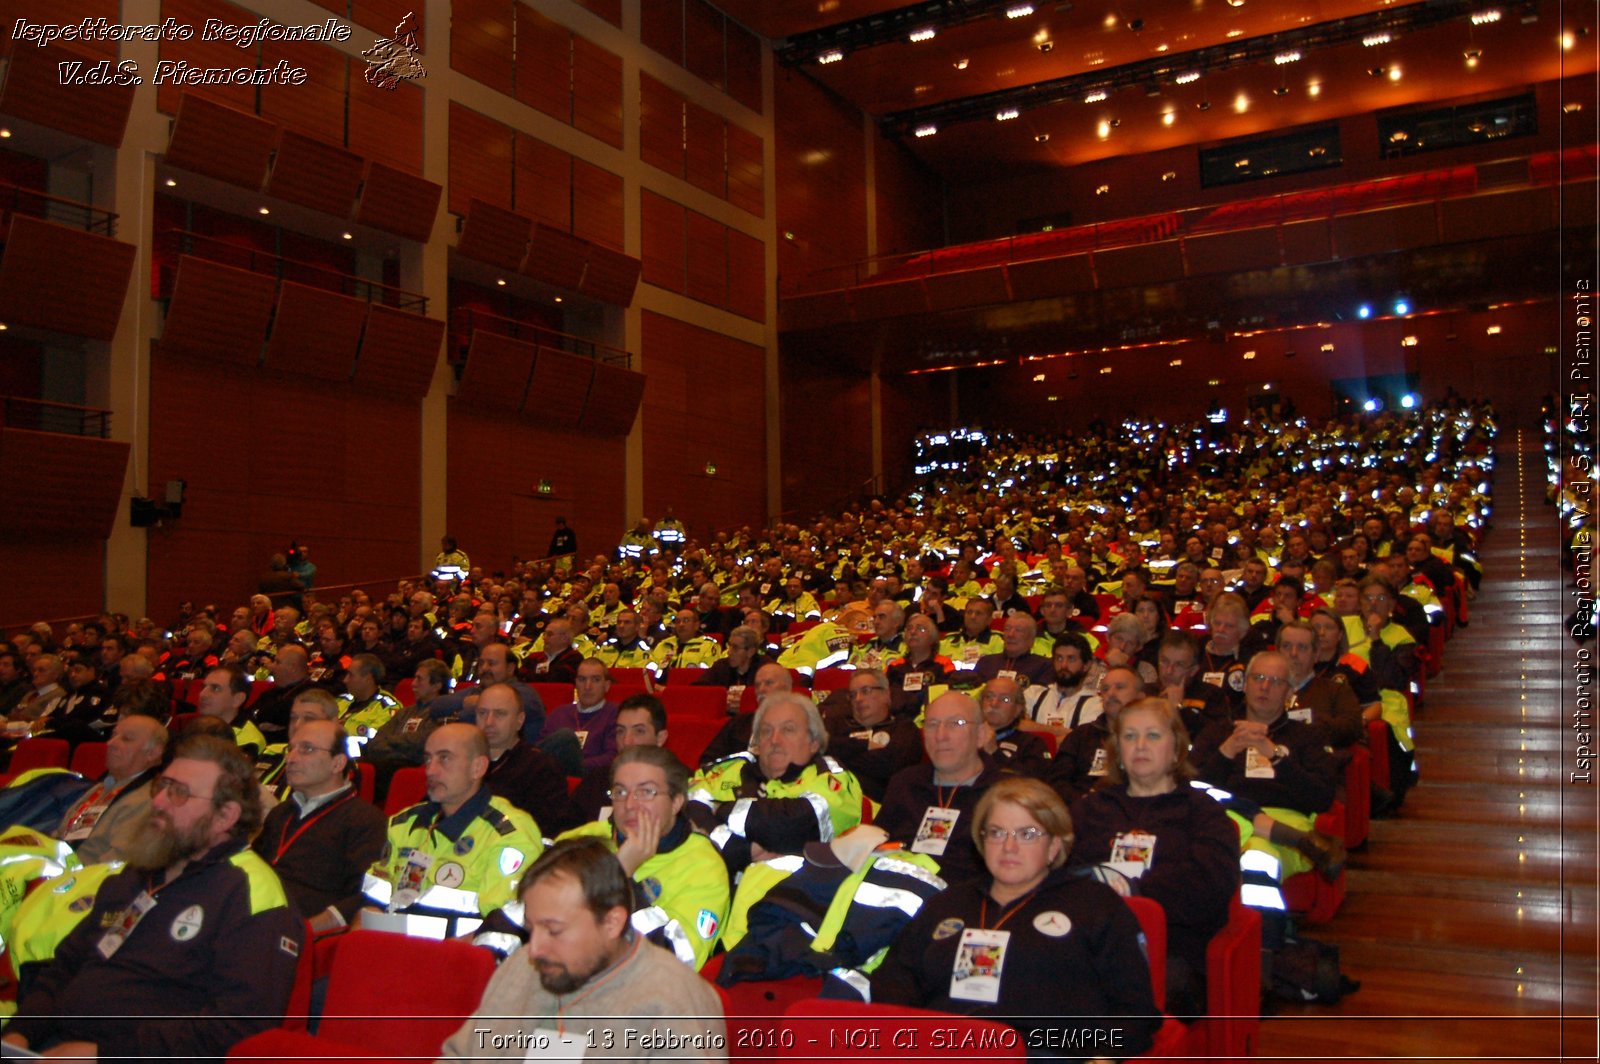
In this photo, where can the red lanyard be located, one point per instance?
(287, 840)
(983, 913)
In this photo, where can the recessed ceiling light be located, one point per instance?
(501, 281)
(829, 57)
(1568, 41)
(1249, 356)
(1019, 11)
(961, 64)
(1472, 55)
(1571, 108)
(1037, 377)
(558, 299)
(1327, 347)
(1241, 103)
(1168, 117)
(171, 183)
(1481, 18)
(1286, 57)
(1394, 73)
(1007, 115)
(1176, 362)
(1170, 175)
(1187, 77)
(1234, 33)
(1372, 40)
(925, 131)
(1493, 330)
(263, 210)
(4, 326)
(1102, 190)
(348, 235)
(5, 134)
(1103, 129)
(1314, 88)
(1409, 341)
(1095, 97)
(1104, 370)
(1213, 382)
(1041, 138)
(927, 33)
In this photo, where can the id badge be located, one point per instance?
(1212, 678)
(1055, 716)
(85, 822)
(934, 833)
(971, 653)
(911, 683)
(412, 878)
(1098, 768)
(412, 726)
(1006, 674)
(1257, 767)
(1132, 852)
(544, 1043)
(583, 738)
(1301, 714)
(116, 935)
(735, 693)
(980, 958)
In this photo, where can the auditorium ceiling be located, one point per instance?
(1092, 79)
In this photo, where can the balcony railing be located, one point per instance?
(174, 242)
(41, 416)
(35, 204)
(464, 320)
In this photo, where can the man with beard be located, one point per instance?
(194, 941)
(1073, 698)
(588, 973)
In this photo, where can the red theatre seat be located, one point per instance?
(407, 787)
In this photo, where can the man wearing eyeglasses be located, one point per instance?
(1020, 751)
(190, 948)
(928, 807)
(867, 737)
(680, 884)
(324, 837)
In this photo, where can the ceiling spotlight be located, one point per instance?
(1249, 356)
(1286, 57)
(1314, 88)
(1006, 115)
(1241, 103)
(829, 57)
(1235, 3)
(1408, 341)
(1095, 97)
(559, 299)
(1394, 73)
(1493, 330)
(1483, 18)
(1045, 46)
(1115, 122)
(1041, 138)
(1170, 175)
(1203, 105)
(1103, 129)
(1372, 40)
(1398, 136)
(1234, 33)
(171, 182)
(1019, 11)
(925, 131)
(961, 64)
(1281, 90)
(1176, 362)
(1402, 307)
(263, 210)
(1167, 118)
(1364, 312)
(1102, 190)
(1186, 77)
(1038, 377)
(1571, 108)
(501, 281)
(1104, 370)
(927, 33)
(1568, 41)
(348, 235)
(1327, 347)
(1213, 382)
(1472, 55)
(5, 134)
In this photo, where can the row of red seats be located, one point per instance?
(1339, 199)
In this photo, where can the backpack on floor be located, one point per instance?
(1305, 971)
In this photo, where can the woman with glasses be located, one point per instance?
(1148, 823)
(1031, 943)
(680, 883)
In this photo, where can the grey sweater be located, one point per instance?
(647, 1006)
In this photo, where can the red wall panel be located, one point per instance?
(199, 53)
(596, 92)
(315, 108)
(544, 183)
(386, 127)
(703, 403)
(820, 177)
(705, 150)
(544, 64)
(481, 42)
(747, 276)
(909, 208)
(66, 578)
(707, 260)
(702, 42)
(746, 170)
(596, 204)
(480, 160)
(661, 225)
(660, 126)
(661, 28)
(744, 66)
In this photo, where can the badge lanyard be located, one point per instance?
(286, 840)
(1017, 906)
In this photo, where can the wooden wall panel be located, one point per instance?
(73, 483)
(315, 333)
(219, 312)
(544, 182)
(386, 127)
(544, 64)
(220, 141)
(481, 42)
(47, 11)
(34, 91)
(747, 276)
(66, 577)
(820, 178)
(705, 150)
(398, 352)
(596, 204)
(494, 465)
(596, 91)
(660, 126)
(63, 279)
(497, 371)
(822, 466)
(706, 263)
(909, 201)
(480, 160)
(722, 381)
(315, 174)
(316, 107)
(199, 53)
(744, 66)
(702, 42)
(610, 10)
(746, 171)
(559, 388)
(661, 233)
(398, 202)
(661, 28)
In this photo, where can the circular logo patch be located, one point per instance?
(186, 925)
(464, 845)
(950, 925)
(450, 874)
(1052, 923)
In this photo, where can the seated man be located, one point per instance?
(496, 664)
(1323, 700)
(102, 823)
(588, 973)
(624, 650)
(641, 721)
(290, 676)
(453, 859)
(223, 693)
(786, 759)
(680, 883)
(886, 644)
(401, 741)
(926, 804)
(1073, 698)
(1179, 682)
(867, 737)
(737, 670)
(520, 772)
(1082, 757)
(1016, 659)
(685, 648)
(975, 639)
(558, 660)
(1010, 746)
(324, 837)
(734, 736)
(194, 940)
(366, 706)
(921, 668)
(591, 721)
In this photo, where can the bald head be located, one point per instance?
(772, 679)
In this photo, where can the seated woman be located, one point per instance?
(1148, 822)
(1031, 943)
(1154, 620)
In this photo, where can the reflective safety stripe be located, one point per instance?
(789, 862)
(1261, 896)
(379, 890)
(502, 942)
(738, 816)
(648, 920)
(906, 868)
(703, 796)
(720, 836)
(1216, 793)
(832, 659)
(819, 805)
(888, 898)
(1262, 862)
(450, 899)
(855, 981)
(514, 912)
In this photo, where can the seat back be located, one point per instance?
(704, 703)
(38, 753)
(689, 736)
(683, 676)
(850, 1026)
(89, 760)
(407, 787)
(631, 677)
(553, 694)
(1233, 984)
(406, 691)
(398, 996)
(366, 781)
(1153, 922)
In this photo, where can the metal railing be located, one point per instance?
(174, 242)
(35, 204)
(39, 415)
(464, 320)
